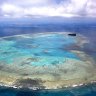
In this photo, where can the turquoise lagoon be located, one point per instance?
(45, 61)
(48, 46)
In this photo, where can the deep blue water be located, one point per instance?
(88, 90)
(87, 29)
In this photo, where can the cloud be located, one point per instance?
(64, 8)
(9, 10)
(91, 8)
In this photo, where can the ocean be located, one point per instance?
(88, 90)
(86, 29)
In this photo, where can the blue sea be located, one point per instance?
(88, 29)
(88, 90)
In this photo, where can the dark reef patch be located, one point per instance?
(2, 65)
(30, 83)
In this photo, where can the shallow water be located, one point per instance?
(49, 46)
(45, 61)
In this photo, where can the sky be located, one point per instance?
(47, 8)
